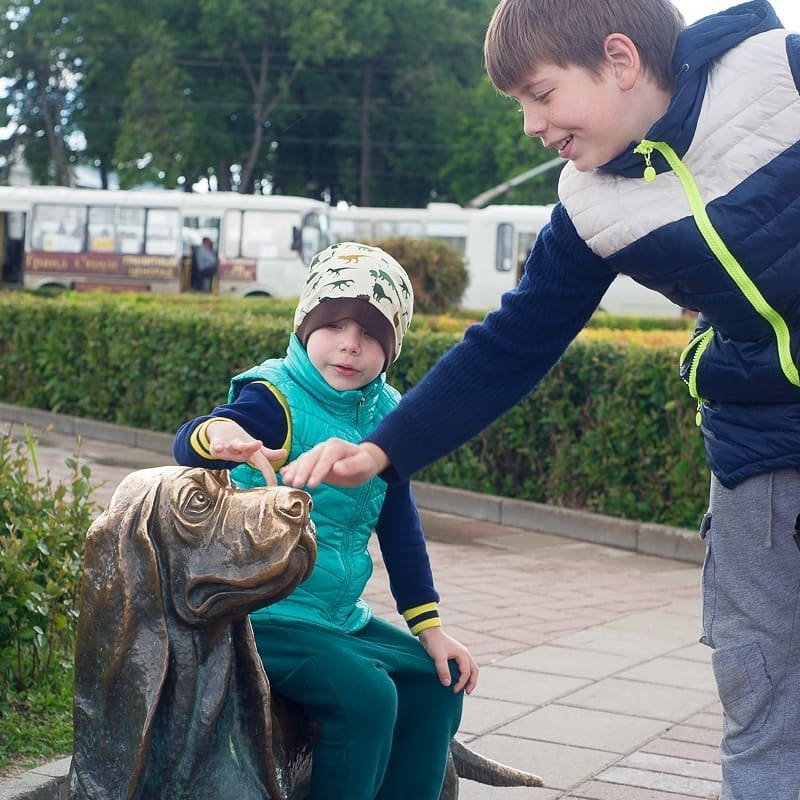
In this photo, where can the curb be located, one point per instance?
(646, 538)
(46, 782)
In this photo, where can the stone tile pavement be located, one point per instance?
(591, 674)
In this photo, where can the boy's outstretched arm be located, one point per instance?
(335, 461)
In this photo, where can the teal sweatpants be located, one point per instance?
(385, 719)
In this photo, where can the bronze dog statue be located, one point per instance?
(171, 699)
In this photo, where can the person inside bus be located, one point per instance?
(387, 701)
(205, 264)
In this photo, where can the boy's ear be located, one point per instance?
(623, 58)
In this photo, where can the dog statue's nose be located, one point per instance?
(294, 504)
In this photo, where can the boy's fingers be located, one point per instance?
(296, 473)
(354, 466)
(463, 672)
(472, 682)
(443, 671)
(312, 468)
(261, 463)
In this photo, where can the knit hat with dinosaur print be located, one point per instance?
(350, 280)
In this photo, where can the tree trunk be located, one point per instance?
(365, 169)
(262, 109)
(54, 138)
(223, 173)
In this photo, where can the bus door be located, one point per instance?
(12, 246)
(197, 228)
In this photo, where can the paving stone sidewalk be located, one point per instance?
(591, 674)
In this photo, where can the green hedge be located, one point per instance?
(611, 429)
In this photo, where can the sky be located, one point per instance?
(788, 11)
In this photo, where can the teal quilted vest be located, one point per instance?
(344, 518)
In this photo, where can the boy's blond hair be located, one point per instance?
(523, 34)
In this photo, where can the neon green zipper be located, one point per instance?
(699, 343)
(725, 258)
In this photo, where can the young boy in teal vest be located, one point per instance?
(386, 702)
(682, 151)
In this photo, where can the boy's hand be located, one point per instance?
(441, 648)
(228, 441)
(335, 461)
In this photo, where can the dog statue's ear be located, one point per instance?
(255, 702)
(122, 649)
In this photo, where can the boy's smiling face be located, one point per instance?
(590, 118)
(576, 113)
(345, 354)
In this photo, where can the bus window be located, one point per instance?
(504, 257)
(58, 228)
(203, 227)
(101, 229)
(398, 228)
(259, 233)
(130, 230)
(452, 233)
(162, 232)
(231, 234)
(525, 241)
(351, 230)
(314, 236)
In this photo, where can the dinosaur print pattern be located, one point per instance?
(359, 271)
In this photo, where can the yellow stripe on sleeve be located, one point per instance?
(422, 617)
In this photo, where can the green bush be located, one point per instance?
(437, 271)
(602, 319)
(42, 532)
(610, 429)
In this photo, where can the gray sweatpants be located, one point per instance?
(751, 619)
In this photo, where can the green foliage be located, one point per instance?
(157, 115)
(488, 147)
(602, 319)
(36, 725)
(42, 530)
(610, 429)
(39, 64)
(437, 271)
(239, 91)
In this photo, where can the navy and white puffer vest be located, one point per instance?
(717, 230)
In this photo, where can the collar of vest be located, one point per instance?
(303, 372)
(700, 44)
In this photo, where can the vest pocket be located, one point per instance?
(745, 692)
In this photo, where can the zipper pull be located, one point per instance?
(698, 417)
(645, 149)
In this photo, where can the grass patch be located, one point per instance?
(35, 727)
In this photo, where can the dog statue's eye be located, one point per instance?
(198, 501)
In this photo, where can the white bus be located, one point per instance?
(495, 242)
(145, 240)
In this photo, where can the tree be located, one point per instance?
(368, 127)
(489, 146)
(39, 61)
(157, 116)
